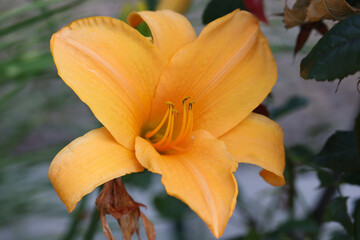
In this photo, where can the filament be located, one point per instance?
(166, 142)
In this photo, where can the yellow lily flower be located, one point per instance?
(179, 106)
(180, 6)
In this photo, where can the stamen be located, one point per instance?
(190, 126)
(166, 142)
(183, 121)
(185, 99)
(170, 122)
(148, 135)
(166, 145)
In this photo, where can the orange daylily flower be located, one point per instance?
(179, 106)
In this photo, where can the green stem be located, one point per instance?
(93, 225)
(292, 189)
(77, 217)
(179, 230)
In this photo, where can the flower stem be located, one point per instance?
(76, 219)
(93, 225)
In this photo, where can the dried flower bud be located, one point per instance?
(116, 201)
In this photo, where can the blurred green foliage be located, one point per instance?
(218, 8)
(29, 99)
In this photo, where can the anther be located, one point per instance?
(185, 99)
(191, 104)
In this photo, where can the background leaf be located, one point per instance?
(340, 153)
(357, 220)
(337, 211)
(141, 180)
(170, 207)
(340, 236)
(218, 8)
(293, 103)
(357, 132)
(151, 4)
(336, 55)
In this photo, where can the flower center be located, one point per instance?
(168, 141)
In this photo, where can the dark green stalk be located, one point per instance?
(93, 225)
(319, 210)
(292, 190)
(77, 217)
(179, 230)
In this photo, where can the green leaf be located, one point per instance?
(218, 8)
(336, 211)
(292, 104)
(252, 234)
(326, 178)
(296, 226)
(76, 218)
(170, 207)
(299, 154)
(141, 180)
(340, 153)
(151, 4)
(357, 132)
(144, 29)
(350, 178)
(357, 220)
(336, 55)
(340, 236)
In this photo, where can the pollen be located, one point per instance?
(168, 141)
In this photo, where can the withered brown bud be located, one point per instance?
(116, 201)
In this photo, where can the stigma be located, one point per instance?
(168, 141)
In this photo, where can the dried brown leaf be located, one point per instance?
(305, 11)
(329, 9)
(302, 37)
(305, 30)
(296, 15)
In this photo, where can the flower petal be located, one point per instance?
(201, 177)
(228, 71)
(259, 140)
(112, 68)
(88, 162)
(169, 29)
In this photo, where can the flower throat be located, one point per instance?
(167, 141)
